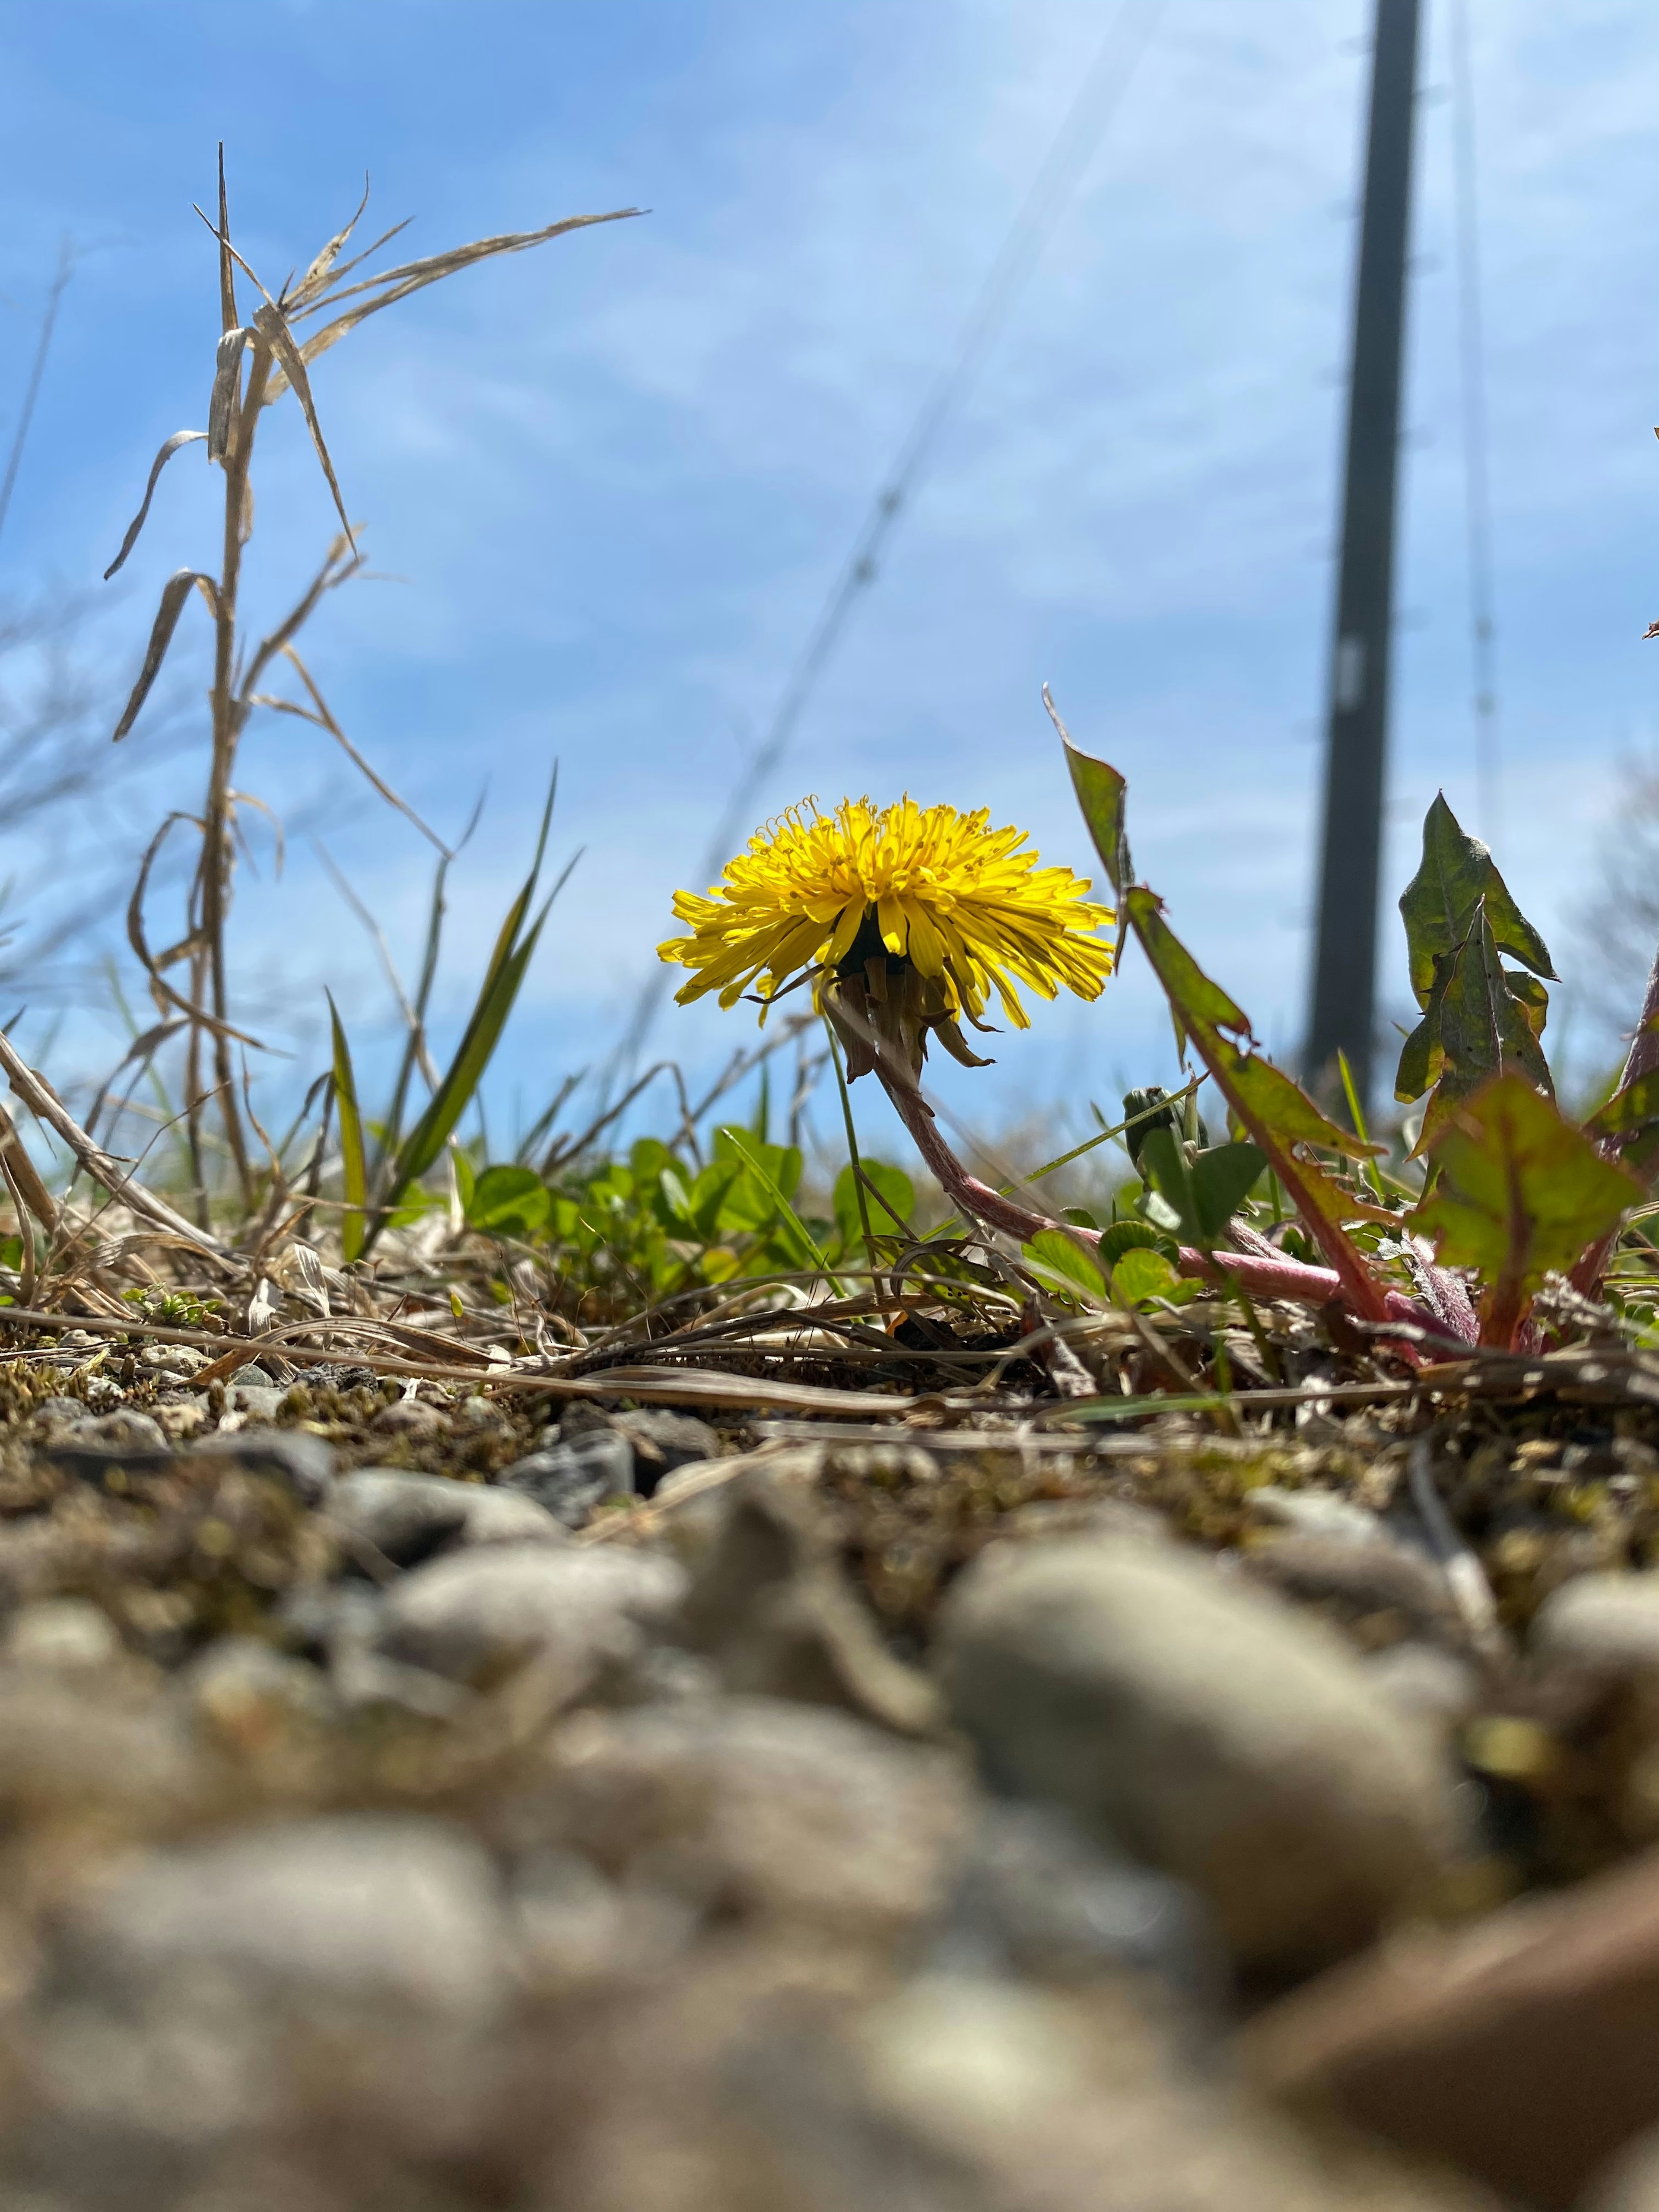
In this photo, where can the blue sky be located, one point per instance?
(613, 480)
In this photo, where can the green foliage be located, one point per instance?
(1457, 874)
(1520, 1192)
(353, 1162)
(1056, 1256)
(509, 1201)
(889, 1200)
(1515, 1190)
(1195, 1192)
(171, 1308)
(1142, 1275)
(1480, 1019)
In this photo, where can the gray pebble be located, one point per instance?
(571, 1479)
(1600, 1623)
(1035, 1897)
(260, 1401)
(62, 1635)
(304, 1461)
(1426, 1684)
(662, 1440)
(373, 1908)
(1215, 1734)
(408, 1517)
(1316, 1513)
(476, 1616)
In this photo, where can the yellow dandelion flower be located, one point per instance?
(906, 920)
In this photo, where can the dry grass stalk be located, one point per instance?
(256, 362)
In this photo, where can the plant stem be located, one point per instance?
(1641, 1060)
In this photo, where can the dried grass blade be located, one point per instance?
(174, 593)
(397, 284)
(269, 322)
(316, 305)
(22, 1175)
(153, 964)
(315, 278)
(171, 447)
(325, 721)
(221, 404)
(227, 268)
(45, 1105)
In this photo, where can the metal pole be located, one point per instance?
(1343, 1012)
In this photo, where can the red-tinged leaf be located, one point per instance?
(1456, 873)
(1519, 1193)
(1277, 1115)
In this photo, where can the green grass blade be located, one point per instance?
(354, 1222)
(852, 1143)
(800, 1234)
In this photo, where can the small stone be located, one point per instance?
(172, 1359)
(571, 1479)
(260, 1401)
(303, 1461)
(70, 1750)
(1631, 2184)
(1036, 1899)
(475, 1617)
(248, 1696)
(770, 1605)
(373, 1909)
(973, 2092)
(1316, 1513)
(366, 1682)
(111, 1439)
(1426, 1684)
(253, 1377)
(318, 1621)
(408, 1417)
(62, 1635)
(1606, 1624)
(755, 1807)
(506, 1517)
(663, 1441)
(407, 1518)
(61, 1409)
(1519, 2048)
(1210, 1732)
(1378, 1593)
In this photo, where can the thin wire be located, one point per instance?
(48, 324)
(1478, 498)
(1073, 146)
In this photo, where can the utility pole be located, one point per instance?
(1343, 1013)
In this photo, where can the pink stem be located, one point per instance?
(1257, 1274)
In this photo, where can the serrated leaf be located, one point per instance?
(1455, 873)
(1275, 1112)
(1481, 1019)
(1518, 1192)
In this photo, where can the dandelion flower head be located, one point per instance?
(906, 919)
